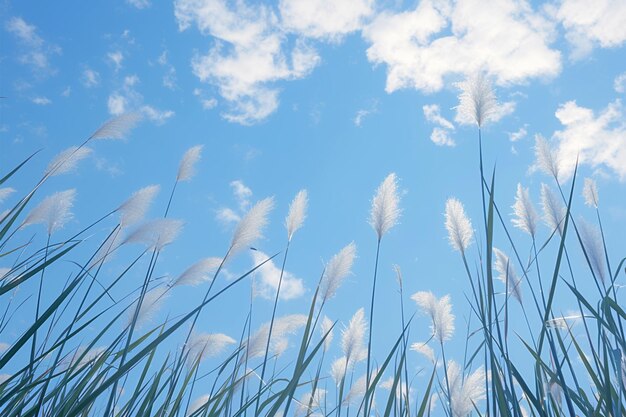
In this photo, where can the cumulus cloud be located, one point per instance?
(156, 115)
(90, 78)
(424, 47)
(441, 134)
(127, 98)
(601, 24)
(35, 51)
(324, 19)
(598, 140)
(116, 59)
(518, 134)
(241, 193)
(268, 277)
(248, 57)
(117, 104)
(42, 101)
(619, 84)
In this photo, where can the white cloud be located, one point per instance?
(90, 78)
(587, 24)
(140, 4)
(440, 135)
(116, 58)
(518, 135)
(35, 51)
(242, 193)
(363, 113)
(169, 78)
(208, 104)
(248, 57)
(116, 104)
(131, 81)
(226, 216)
(324, 19)
(424, 47)
(156, 115)
(620, 83)
(67, 91)
(597, 140)
(42, 101)
(269, 276)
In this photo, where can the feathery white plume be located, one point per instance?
(53, 211)
(592, 242)
(250, 227)
(424, 349)
(67, 160)
(507, 274)
(105, 251)
(135, 208)
(197, 403)
(117, 127)
(5, 192)
(477, 101)
(402, 391)
(283, 326)
(205, 345)
(198, 273)
(398, 271)
(186, 169)
(152, 301)
(338, 369)
(553, 209)
(353, 338)
(563, 322)
(357, 391)
(156, 234)
(590, 192)
(459, 227)
(440, 312)
(297, 213)
(327, 324)
(525, 214)
(465, 392)
(337, 269)
(385, 211)
(546, 159)
(310, 402)
(555, 391)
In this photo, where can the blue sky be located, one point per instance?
(299, 94)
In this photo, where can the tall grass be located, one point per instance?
(97, 345)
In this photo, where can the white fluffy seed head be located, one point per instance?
(525, 214)
(206, 345)
(326, 326)
(477, 101)
(338, 369)
(117, 127)
(546, 159)
(250, 227)
(297, 213)
(553, 209)
(385, 206)
(592, 242)
(590, 192)
(424, 349)
(156, 234)
(353, 338)
(186, 169)
(440, 312)
(466, 391)
(198, 273)
(459, 226)
(152, 302)
(67, 160)
(134, 209)
(507, 274)
(54, 211)
(336, 270)
(283, 326)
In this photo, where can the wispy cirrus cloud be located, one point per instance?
(441, 134)
(35, 52)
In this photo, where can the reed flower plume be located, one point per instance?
(310, 402)
(5, 193)
(326, 326)
(440, 312)
(206, 345)
(563, 322)
(336, 270)
(385, 206)
(590, 193)
(134, 209)
(283, 326)
(547, 159)
(250, 227)
(117, 127)
(525, 215)
(507, 274)
(338, 369)
(152, 302)
(425, 350)
(54, 211)
(553, 209)
(459, 226)
(156, 234)
(198, 273)
(353, 338)
(477, 101)
(67, 160)
(464, 392)
(357, 391)
(186, 169)
(591, 240)
(297, 213)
